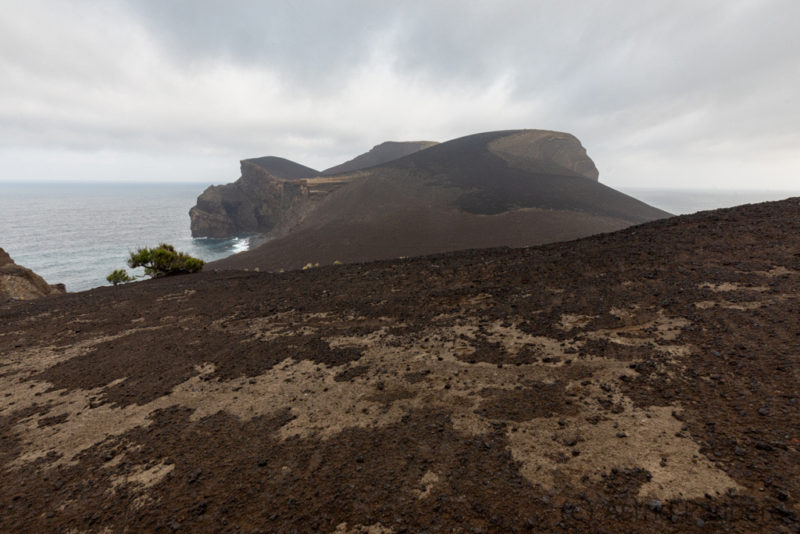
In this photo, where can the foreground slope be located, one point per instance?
(509, 188)
(630, 382)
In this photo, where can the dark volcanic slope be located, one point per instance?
(640, 381)
(283, 168)
(379, 154)
(511, 188)
(492, 180)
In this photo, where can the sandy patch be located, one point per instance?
(742, 306)
(634, 438)
(424, 370)
(427, 483)
(183, 295)
(376, 528)
(731, 286)
(571, 320)
(143, 476)
(660, 329)
(775, 272)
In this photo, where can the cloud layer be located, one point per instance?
(662, 93)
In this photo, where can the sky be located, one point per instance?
(663, 94)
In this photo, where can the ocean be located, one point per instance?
(77, 233)
(682, 202)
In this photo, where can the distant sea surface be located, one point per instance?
(78, 233)
(683, 202)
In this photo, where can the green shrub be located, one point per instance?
(164, 260)
(120, 276)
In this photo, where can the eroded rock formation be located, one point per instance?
(494, 172)
(20, 283)
(257, 202)
(262, 201)
(511, 188)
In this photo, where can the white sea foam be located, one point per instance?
(240, 244)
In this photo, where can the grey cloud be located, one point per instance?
(306, 41)
(318, 81)
(587, 58)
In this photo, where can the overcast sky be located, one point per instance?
(673, 93)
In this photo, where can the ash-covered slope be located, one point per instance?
(629, 382)
(382, 153)
(510, 188)
(20, 283)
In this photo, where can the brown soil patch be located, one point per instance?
(524, 404)
(595, 385)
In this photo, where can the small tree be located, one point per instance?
(120, 276)
(163, 260)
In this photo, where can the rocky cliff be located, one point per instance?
(258, 202)
(274, 194)
(511, 188)
(20, 283)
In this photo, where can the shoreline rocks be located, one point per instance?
(20, 283)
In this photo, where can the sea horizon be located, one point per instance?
(679, 201)
(76, 233)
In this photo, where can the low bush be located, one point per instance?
(120, 276)
(164, 260)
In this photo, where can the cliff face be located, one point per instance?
(272, 192)
(508, 188)
(276, 194)
(258, 202)
(20, 283)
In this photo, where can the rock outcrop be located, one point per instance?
(511, 188)
(274, 194)
(271, 192)
(258, 202)
(20, 283)
(382, 153)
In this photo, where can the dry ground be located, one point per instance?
(641, 380)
